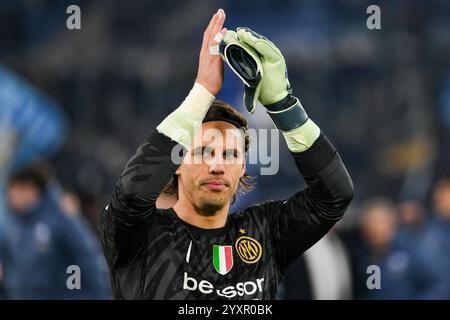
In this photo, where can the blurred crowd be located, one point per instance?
(75, 104)
(406, 242)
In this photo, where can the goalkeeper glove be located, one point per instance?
(275, 93)
(244, 61)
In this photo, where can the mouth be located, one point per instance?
(215, 185)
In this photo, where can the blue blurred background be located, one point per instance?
(78, 102)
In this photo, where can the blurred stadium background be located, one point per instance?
(82, 100)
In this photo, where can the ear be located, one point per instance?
(178, 170)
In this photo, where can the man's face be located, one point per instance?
(379, 226)
(210, 173)
(22, 196)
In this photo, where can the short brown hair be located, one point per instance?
(39, 174)
(222, 110)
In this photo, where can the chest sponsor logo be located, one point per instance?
(222, 258)
(248, 249)
(252, 289)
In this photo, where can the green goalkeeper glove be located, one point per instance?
(275, 86)
(275, 94)
(245, 62)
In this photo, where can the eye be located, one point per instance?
(231, 154)
(207, 152)
(204, 152)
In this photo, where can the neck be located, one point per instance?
(189, 213)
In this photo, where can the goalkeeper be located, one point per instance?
(196, 249)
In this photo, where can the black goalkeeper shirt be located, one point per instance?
(153, 254)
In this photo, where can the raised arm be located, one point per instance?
(125, 222)
(300, 221)
(304, 218)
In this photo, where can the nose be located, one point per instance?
(216, 165)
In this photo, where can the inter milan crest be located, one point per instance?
(223, 258)
(248, 249)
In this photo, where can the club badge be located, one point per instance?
(248, 249)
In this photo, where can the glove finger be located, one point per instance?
(250, 99)
(260, 43)
(230, 37)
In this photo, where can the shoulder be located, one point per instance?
(259, 213)
(165, 221)
(265, 208)
(163, 218)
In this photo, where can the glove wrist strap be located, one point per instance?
(283, 104)
(288, 114)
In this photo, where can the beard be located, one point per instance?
(208, 205)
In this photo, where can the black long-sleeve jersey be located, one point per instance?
(153, 254)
